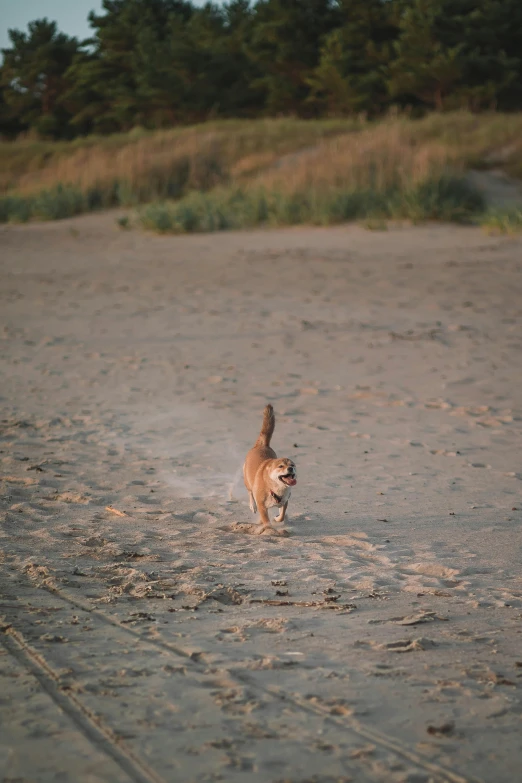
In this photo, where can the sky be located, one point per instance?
(71, 15)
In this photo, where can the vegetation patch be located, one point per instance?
(503, 221)
(286, 171)
(447, 198)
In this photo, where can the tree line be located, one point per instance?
(157, 63)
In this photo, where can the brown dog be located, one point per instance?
(267, 478)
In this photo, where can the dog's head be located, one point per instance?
(285, 472)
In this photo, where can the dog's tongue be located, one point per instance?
(291, 481)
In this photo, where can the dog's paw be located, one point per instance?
(272, 531)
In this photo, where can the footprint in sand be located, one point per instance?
(26, 482)
(67, 497)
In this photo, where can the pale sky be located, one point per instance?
(71, 15)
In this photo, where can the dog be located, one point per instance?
(267, 478)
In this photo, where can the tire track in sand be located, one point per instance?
(138, 770)
(86, 721)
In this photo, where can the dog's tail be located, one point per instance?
(267, 428)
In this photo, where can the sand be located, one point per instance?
(147, 634)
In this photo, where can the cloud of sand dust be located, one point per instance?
(225, 480)
(204, 468)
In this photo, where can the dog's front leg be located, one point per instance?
(252, 504)
(281, 516)
(265, 526)
(264, 519)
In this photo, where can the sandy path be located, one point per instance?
(146, 635)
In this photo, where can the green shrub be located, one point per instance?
(58, 203)
(54, 204)
(445, 198)
(123, 222)
(503, 221)
(15, 209)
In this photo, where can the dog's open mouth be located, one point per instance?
(289, 479)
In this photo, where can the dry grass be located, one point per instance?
(480, 140)
(381, 157)
(160, 162)
(315, 161)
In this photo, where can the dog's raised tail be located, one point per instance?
(267, 428)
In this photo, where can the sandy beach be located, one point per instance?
(148, 634)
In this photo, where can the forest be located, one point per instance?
(157, 64)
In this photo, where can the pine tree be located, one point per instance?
(425, 67)
(453, 53)
(285, 47)
(107, 83)
(492, 62)
(10, 126)
(33, 78)
(161, 62)
(351, 75)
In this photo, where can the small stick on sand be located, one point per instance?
(115, 511)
